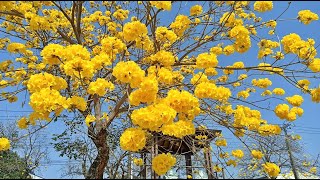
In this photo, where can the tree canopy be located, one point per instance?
(145, 68)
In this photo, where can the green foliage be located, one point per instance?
(12, 166)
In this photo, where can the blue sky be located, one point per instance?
(307, 126)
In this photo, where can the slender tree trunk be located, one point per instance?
(96, 169)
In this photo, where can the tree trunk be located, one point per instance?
(96, 169)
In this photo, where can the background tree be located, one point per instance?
(27, 153)
(130, 65)
(273, 149)
(12, 166)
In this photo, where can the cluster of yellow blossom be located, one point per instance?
(278, 91)
(224, 155)
(245, 117)
(154, 116)
(295, 100)
(244, 93)
(133, 30)
(45, 80)
(147, 91)
(77, 59)
(228, 50)
(163, 57)
(77, 102)
(23, 123)
(314, 65)
(138, 161)
(199, 78)
(79, 68)
(4, 144)
(206, 60)
(261, 83)
(133, 139)
(165, 5)
(292, 43)
(163, 163)
(121, 14)
(257, 154)
(47, 100)
(221, 142)
(231, 162)
(271, 24)
(306, 16)
(283, 111)
(210, 90)
(89, 119)
(313, 170)
(238, 64)
(179, 129)
(144, 42)
(184, 103)
(128, 72)
(263, 6)
(304, 84)
(112, 46)
(228, 19)
(271, 169)
(266, 92)
(99, 87)
(265, 47)
(165, 75)
(216, 50)
(242, 38)
(180, 24)
(196, 10)
(238, 153)
(16, 48)
(269, 129)
(210, 72)
(164, 35)
(217, 168)
(52, 54)
(100, 60)
(315, 95)
(5, 65)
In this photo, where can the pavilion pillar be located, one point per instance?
(188, 165)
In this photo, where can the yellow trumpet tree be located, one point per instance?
(155, 65)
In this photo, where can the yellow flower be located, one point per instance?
(263, 6)
(271, 169)
(133, 139)
(221, 142)
(315, 65)
(228, 50)
(257, 154)
(313, 170)
(278, 91)
(306, 16)
(165, 5)
(132, 30)
(23, 123)
(138, 161)
(162, 163)
(238, 153)
(4, 144)
(295, 100)
(196, 10)
(315, 95)
(89, 119)
(99, 87)
(206, 60)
